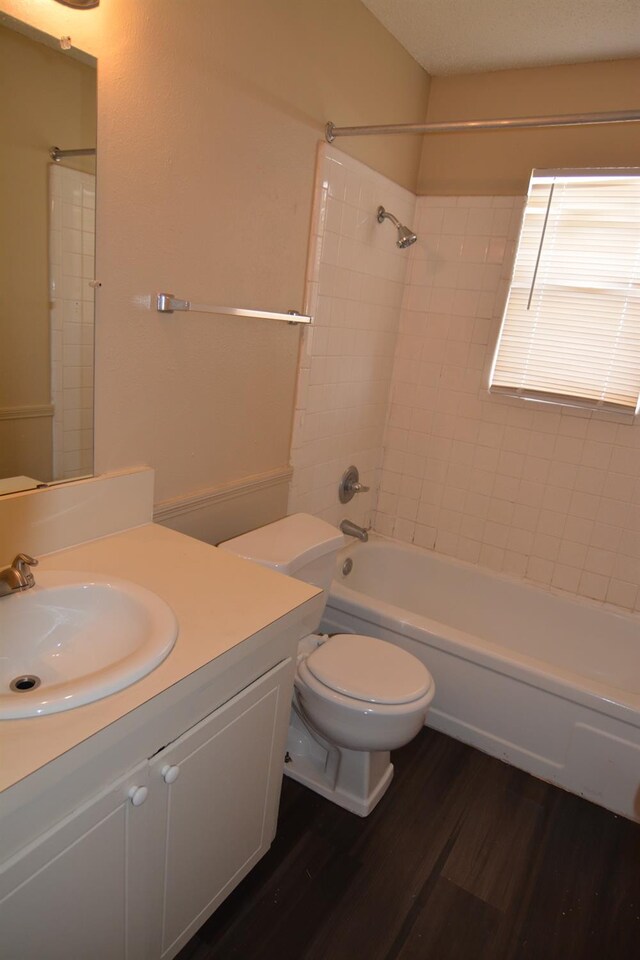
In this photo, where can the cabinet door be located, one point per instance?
(63, 897)
(221, 810)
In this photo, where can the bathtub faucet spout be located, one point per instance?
(353, 530)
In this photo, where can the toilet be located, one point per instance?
(355, 697)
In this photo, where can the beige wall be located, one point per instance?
(209, 116)
(500, 162)
(26, 445)
(47, 99)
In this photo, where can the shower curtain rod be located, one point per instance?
(57, 154)
(460, 126)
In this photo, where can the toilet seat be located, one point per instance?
(368, 669)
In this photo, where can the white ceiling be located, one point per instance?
(466, 36)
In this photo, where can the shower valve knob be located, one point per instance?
(359, 488)
(350, 485)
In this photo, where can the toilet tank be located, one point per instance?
(302, 546)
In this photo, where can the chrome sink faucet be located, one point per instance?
(18, 576)
(353, 530)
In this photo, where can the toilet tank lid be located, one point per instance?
(287, 544)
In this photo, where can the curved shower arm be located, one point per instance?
(385, 215)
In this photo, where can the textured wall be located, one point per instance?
(209, 116)
(500, 162)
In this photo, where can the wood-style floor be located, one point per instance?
(465, 858)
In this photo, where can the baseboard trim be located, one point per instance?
(178, 506)
(32, 412)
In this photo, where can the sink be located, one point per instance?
(75, 638)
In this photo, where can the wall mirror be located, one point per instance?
(47, 238)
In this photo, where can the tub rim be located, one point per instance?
(605, 698)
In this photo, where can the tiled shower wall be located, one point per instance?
(71, 256)
(539, 491)
(355, 284)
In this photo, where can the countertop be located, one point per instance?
(220, 601)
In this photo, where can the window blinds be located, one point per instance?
(571, 328)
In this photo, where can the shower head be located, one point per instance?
(406, 236)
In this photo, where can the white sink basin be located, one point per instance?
(83, 636)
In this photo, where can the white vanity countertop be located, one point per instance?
(219, 600)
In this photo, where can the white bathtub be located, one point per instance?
(543, 681)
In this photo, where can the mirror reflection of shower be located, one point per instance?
(72, 196)
(406, 236)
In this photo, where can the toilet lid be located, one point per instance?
(366, 668)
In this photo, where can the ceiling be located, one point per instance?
(468, 36)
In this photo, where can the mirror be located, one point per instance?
(47, 231)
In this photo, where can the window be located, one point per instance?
(571, 328)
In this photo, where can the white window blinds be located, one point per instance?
(571, 328)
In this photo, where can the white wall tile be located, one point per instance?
(357, 274)
(71, 268)
(546, 493)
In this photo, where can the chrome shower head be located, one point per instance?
(406, 236)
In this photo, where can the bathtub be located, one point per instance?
(546, 682)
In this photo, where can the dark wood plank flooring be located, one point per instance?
(465, 858)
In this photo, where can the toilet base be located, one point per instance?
(354, 779)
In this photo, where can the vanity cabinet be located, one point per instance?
(219, 814)
(137, 869)
(68, 894)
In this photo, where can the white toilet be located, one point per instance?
(355, 697)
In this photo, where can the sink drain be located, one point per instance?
(22, 684)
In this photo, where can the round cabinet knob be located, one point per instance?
(138, 795)
(170, 774)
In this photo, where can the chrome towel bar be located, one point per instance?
(168, 303)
